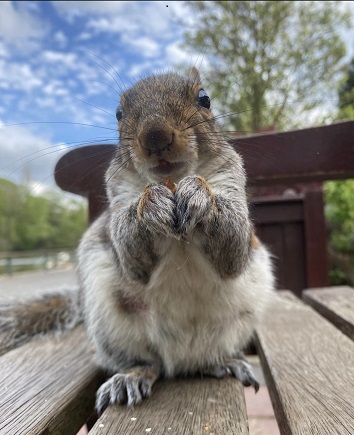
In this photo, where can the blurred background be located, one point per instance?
(269, 66)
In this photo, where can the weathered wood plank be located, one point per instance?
(182, 406)
(336, 304)
(48, 386)
(309, 368)
(316, 153)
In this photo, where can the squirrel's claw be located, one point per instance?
(238, 368)
(130, 388)
(193, 200)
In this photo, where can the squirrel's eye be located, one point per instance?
(203, 99)
(119, 113)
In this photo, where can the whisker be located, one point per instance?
(92, 105)
(121, 166)
(88, 171)
(107, 84)
(119, 76)
(96, 63)
(59, 122)
(96, 154)
(58, 149)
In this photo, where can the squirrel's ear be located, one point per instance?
(196, 76)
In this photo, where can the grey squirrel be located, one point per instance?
(173, 279)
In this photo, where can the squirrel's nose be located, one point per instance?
(156, 140)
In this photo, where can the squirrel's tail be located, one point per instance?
(52, 312)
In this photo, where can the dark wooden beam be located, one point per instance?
(82, 169)
(318, 153)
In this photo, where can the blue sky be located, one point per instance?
(49, 56)
(49, 72)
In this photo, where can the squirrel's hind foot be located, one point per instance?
(130, 387)
(236, 367)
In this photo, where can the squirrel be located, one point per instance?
(173, 279)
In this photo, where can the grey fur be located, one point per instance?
(167, 277)
(21, 321)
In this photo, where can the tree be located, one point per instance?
(339, 195)
(268, 58)
(30, 222)
(10, 208)
(346, 95)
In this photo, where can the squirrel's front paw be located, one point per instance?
(156, 209)
(194, 199)
(130, 388)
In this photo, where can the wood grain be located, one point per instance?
(182, 406)
(316, 240)
(309, 368)
(47, 386)
(316, 153)
(336, 304)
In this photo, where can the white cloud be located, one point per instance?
(25, 154)
(132, 18)
(18, 24)
(67, 59)
(176, 55)
(145, 46)
(72, 8)
(19, 76)
(60, 38)
(142, 26)
(4, 52)
(55, 88)
(84, 36)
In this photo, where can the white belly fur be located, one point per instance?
(196, 317)
(193, 318)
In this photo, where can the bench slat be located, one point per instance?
(336, 304)
(309, 368)
(182, 406)
(48, 386)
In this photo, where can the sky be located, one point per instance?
(59, 66)
(64, 63)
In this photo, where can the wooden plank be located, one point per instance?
(273, 210)
(287, 245)
(82, 169)
(48, 386)
(182, 406)
(336, 304)
(294, 261)
(316, 153)
(272, 236)
(309, 368)
(315, 237)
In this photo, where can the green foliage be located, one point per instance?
(30, 222)
(339, 195)
(273, 57)
(346, 90)
(346, 95)
(338, 277)
(339, 198)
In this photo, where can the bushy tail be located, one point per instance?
(52, 312)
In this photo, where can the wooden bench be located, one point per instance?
(48, 386)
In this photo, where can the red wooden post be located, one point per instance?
(315, 239)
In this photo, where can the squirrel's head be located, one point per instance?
(166, 126)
